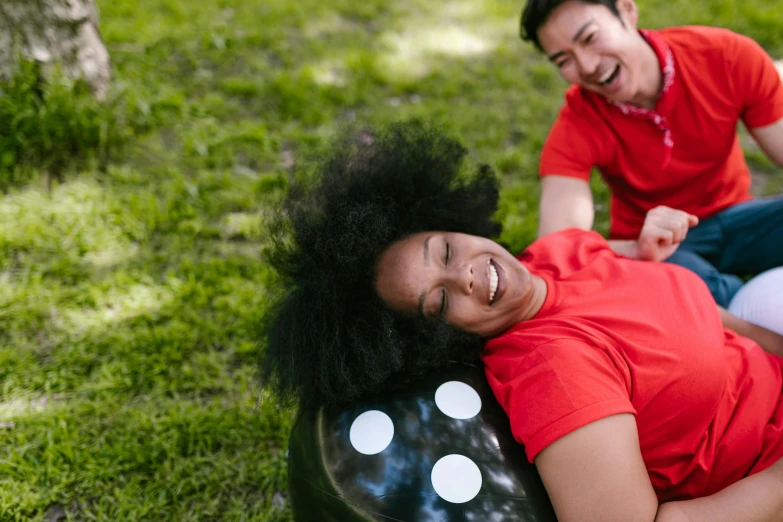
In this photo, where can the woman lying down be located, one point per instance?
(618, 376)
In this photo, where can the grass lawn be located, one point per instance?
(129, 295)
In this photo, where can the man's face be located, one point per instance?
(594, 48)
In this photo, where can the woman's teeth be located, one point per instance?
(493, 281)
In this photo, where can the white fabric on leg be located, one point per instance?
(760, 300)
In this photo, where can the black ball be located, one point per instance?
(440, 451)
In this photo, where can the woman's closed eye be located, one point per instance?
(443, 299)
(443, 302)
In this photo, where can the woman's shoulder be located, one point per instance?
(531, 343)
(565, 250)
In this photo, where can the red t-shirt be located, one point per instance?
(719, 78)
(622, 336)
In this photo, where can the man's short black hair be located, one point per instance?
(537, 12)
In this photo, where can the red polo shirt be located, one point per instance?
(684, 154)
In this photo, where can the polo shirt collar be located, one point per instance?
(665, 102)
(666, 62)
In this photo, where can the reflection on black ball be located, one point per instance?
(440, 451)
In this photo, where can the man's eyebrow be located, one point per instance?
(582, 30)
(576, 37)
(426, 261)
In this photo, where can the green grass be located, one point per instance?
(130, 292)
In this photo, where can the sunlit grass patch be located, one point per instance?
(77, 217)
(431, 33)
(412, 53)
(242, 225)
(119, 305)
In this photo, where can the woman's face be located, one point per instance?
(473, 283)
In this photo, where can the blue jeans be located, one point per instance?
(742, 240)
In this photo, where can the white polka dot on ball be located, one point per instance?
(371, 432)
(456, 479)
(457, 400)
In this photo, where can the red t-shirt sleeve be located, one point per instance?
(756, 82)
(557, 388)
(574, 144)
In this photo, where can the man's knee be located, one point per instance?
(722, 286)
(753, 240)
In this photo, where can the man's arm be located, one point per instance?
(596, 474)
(566, 202)
(770, 139)
(756, 81)
(770, 341)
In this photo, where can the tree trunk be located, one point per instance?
(55, 31)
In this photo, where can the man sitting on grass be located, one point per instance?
(656, 113)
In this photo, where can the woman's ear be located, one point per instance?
(629, 13)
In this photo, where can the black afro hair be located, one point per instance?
(329, 338)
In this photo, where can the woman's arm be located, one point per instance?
(755, 498)
(596, 474)
(770, 341)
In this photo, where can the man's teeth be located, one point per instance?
(608, 74)
(493, 282)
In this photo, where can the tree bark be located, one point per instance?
(55, 31)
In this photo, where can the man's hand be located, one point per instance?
(663, 230)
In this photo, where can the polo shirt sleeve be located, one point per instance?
(574, 144)
(557, 388)
(756, 82)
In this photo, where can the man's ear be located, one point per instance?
(629, 13)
